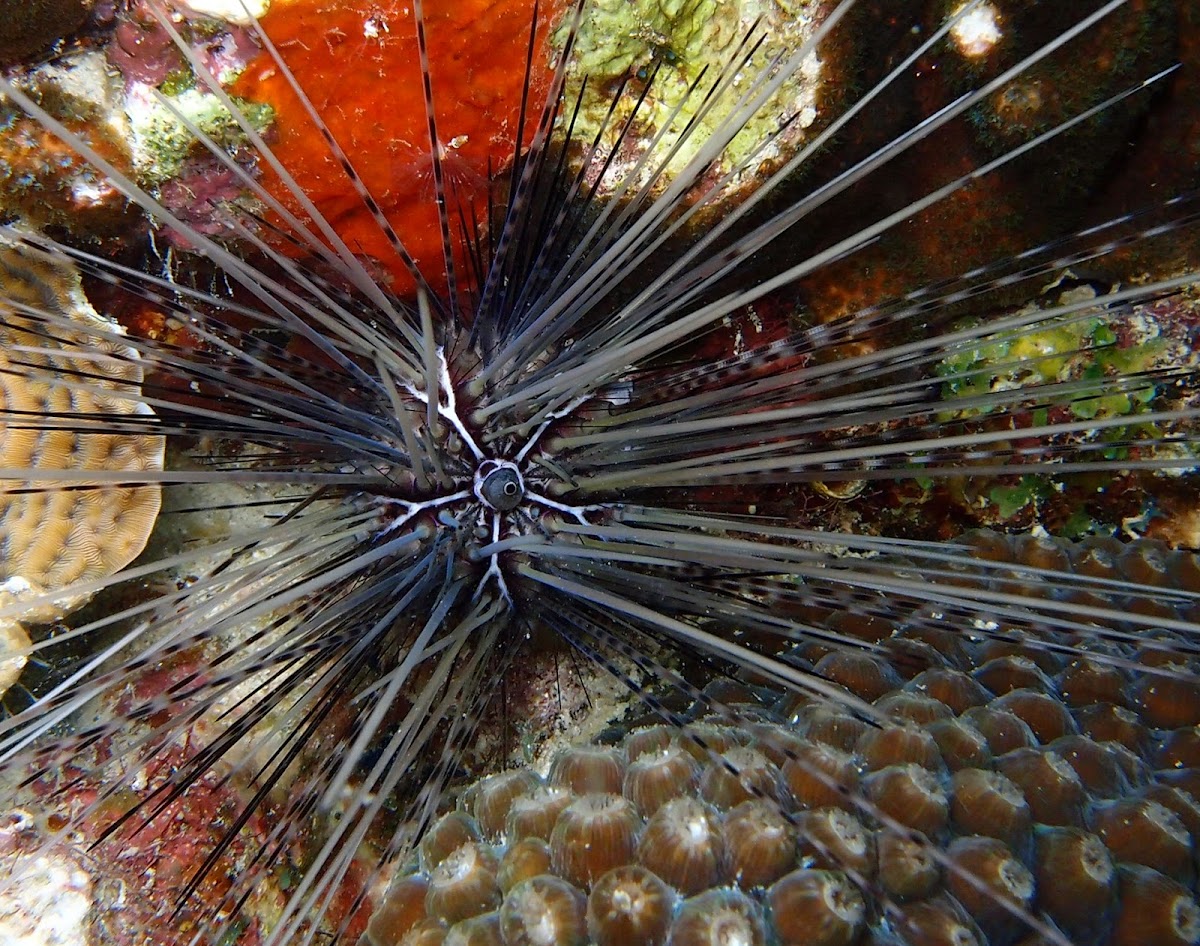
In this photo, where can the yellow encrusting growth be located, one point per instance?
(61, 361)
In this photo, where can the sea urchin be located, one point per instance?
(592, 433)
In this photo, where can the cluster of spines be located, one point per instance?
(635, 579)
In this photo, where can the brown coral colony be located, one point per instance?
(975, 808)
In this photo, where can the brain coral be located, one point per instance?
(58, 357)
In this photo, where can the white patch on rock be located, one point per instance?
(242, 12)
(977, 32)
(48, 904)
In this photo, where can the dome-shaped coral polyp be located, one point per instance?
(522, 860)
(719, 916)
(989, 881)
(543, 911)
(683, 844)
(491, 800)
(654, 778)
(760, 843)
(907, 867)
(988, 804)
(593, 835)
(446, 836)
(403, 910)
(587, 769)
(1076, 879)
(816, 908)
(534, 815)
(464, 884)
(630, 906)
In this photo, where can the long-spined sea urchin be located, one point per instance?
(577, 446)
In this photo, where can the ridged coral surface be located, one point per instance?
(54, 538)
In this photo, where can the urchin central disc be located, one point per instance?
(499, 485)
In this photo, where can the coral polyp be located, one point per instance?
(615, 392)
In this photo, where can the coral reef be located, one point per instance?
(400, 521)
(1086, 176)
(139, 120)
(163, 139)
(14, 639)
(56, 891)
(673, 53)
(241, 12)
(170, 98)
(1082, 348)
(106, 883)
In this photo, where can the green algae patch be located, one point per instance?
(1010, 500)
(675, 52)
(164, 142)
(1074, 349)
(1096, 365)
